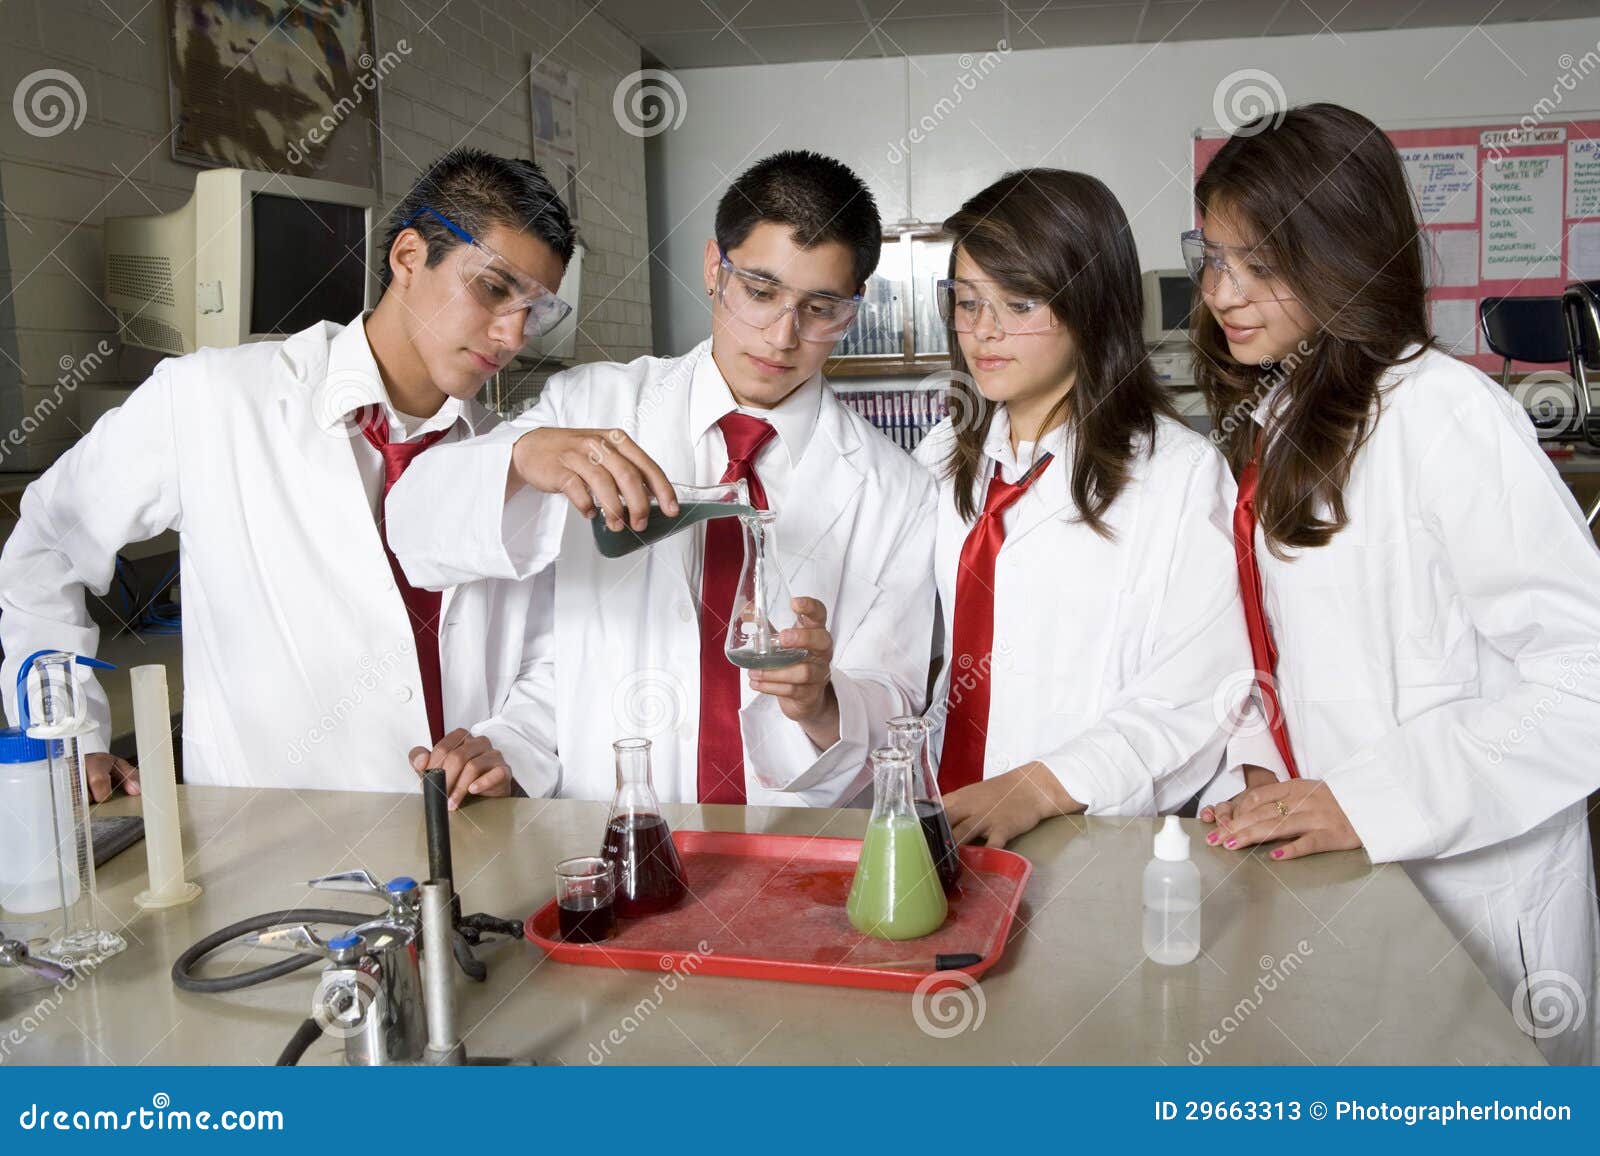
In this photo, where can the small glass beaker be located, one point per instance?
(585, 899)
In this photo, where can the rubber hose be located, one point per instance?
(308, 1033)
(184, 964)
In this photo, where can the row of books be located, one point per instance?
(904, 415)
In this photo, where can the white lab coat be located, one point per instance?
(854, 529)
(299, 665)
(1117, 662)
(1439, 666)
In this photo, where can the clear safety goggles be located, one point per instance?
(499, 286)
(962, 306)
(760, 302)
(1251, 277)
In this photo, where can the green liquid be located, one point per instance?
(896, 893)
(614, 544)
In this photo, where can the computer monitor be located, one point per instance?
(1168, 300)
(251, 256)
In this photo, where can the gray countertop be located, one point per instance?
(1321, 961)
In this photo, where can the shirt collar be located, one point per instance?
(353, 382)
(1013, 464)
(710, 400)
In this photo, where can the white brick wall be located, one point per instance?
(464, 81)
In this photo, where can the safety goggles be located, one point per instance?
(499, 286)
(760, 302)
(1251, 277)
(962, 306)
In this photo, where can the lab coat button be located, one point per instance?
(685, 612)
(402, 693)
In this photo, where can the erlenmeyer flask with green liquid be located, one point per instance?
(695, 505)
(896, 893)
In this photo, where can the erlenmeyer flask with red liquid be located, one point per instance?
(638, 842)
(909, 733)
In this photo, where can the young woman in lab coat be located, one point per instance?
(1092, 632)
(636, 647)
(305, 662)
(1430, 585)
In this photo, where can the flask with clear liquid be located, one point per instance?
(762, 605)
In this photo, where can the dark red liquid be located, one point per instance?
(941, 843)
(588, 924)
(649, 873)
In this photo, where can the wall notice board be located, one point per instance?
(1508, 210)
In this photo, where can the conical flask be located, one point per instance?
(896, 892)
(909, 733)
(638, 842)
(762, 606)
(695, 505)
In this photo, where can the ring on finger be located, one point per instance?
(1283, 812)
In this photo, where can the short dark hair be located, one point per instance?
(478, 190)
(819, 198)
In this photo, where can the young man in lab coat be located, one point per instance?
(636, 643)
(308, 661)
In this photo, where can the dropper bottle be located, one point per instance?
(1171, 898)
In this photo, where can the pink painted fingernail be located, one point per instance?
(1212, 838)
(1278, 854)
(1231, 843)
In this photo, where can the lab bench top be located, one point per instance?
(1326, 960)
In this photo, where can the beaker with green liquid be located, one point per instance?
(695, 505)
(896, 893)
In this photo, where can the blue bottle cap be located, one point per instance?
(344, 942)
(400, 884)
(17, 747)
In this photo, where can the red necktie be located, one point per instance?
(721, 765)
(1262, 651)
(966, 721)
(423, 605)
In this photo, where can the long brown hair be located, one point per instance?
(1324, 195)
(1063, 237)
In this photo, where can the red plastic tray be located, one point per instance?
(772, 907)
